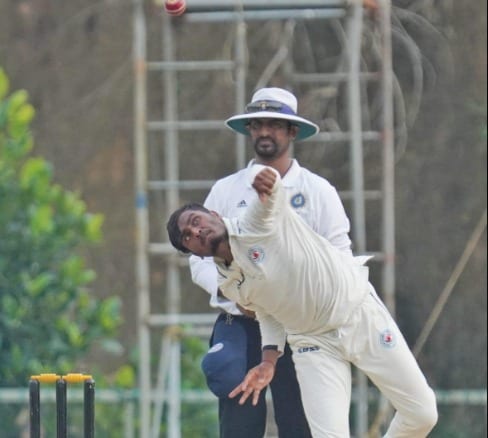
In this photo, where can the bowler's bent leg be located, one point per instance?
(403, 383)
(391, 366)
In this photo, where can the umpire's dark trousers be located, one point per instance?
(248, 421)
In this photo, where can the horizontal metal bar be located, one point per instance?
(183, 185)
(17, 395)
(195, 396)
(461, 396)
(343, 136)
(206, 184)
(474, 397)
(166, 249)
(331, 77)
(190, 65)
(192, 5)
(279, 14)
(369, 195)
(161, 248)
(186, 125)
(109, 396)
(163, 319)
(190, 125)
(204, 331)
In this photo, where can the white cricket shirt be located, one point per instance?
(311, 196)
(288, 274)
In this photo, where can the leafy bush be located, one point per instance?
(48, 317)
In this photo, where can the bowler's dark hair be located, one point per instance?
(174, 232)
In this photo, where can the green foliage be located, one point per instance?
(198, 419)
(48, 318)
(193, 350)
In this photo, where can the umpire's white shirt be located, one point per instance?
(310, 195)
(304, 284)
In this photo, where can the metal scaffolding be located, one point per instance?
(164, 389)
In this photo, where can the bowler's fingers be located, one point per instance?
(247, 393)
(262, 186)
(255, 397)
(264, 182)
(237, 390)
(244, 389)
(268, 179)
(253, 384)
(243, 386)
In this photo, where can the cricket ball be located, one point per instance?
(175, 7)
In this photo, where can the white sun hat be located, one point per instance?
(273, 103)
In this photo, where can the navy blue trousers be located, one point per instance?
(248, 421)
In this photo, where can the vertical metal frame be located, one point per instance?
(141, 217)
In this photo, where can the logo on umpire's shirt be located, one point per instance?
(297, 200)
(256, 254)
(387, 339)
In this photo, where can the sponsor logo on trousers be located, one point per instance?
(307, 349)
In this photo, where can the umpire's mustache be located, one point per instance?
(264, 139)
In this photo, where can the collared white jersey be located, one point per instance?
(314, 199)
(293, 278)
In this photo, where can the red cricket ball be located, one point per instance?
(175, 7)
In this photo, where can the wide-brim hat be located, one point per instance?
(273, 103)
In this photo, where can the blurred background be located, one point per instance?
(69, 178)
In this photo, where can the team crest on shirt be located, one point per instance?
(387, 339)
(297, 200)
(256, 254)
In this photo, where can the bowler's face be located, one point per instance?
(201, 232)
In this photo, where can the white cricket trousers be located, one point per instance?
(372, 342)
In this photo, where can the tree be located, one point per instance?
(48, 317)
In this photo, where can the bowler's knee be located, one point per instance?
(427, 416)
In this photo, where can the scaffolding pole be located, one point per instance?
(142, 233)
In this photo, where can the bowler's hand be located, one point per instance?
(264, 182)
(255, 381)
